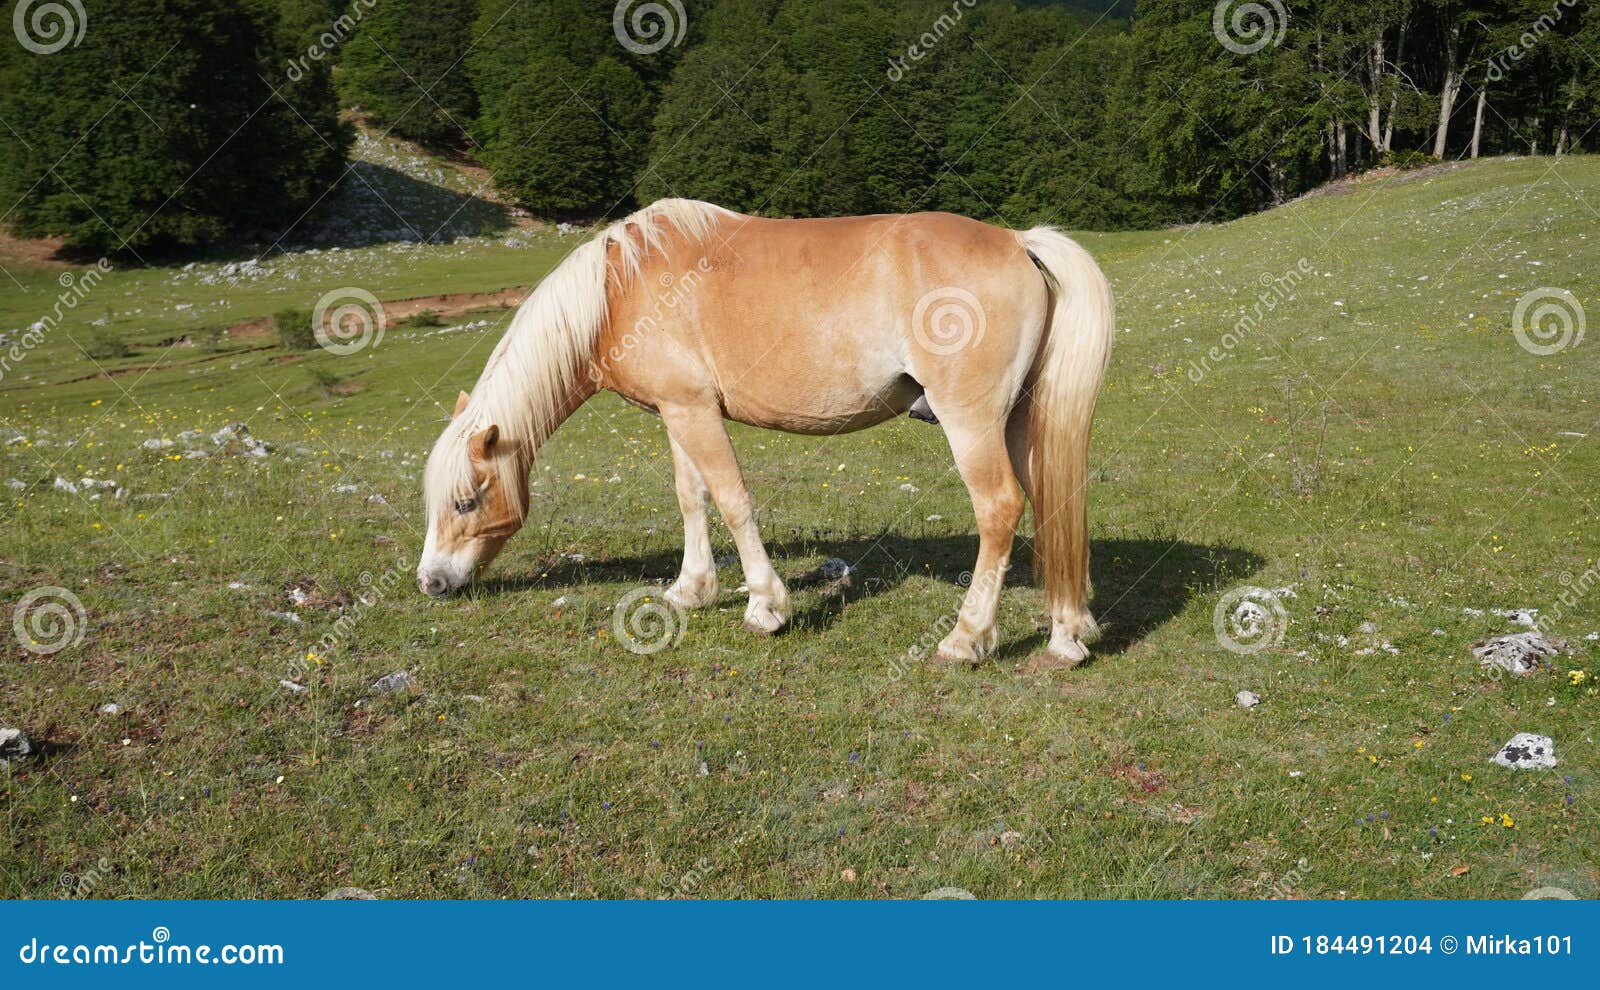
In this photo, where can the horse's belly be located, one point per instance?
(820, 386)
(820, 407)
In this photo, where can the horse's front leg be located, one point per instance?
(696, 586)
(698, 432)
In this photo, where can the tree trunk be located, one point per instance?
(1394, 97)
(1566, 115)
(1344, 148)
(1477, 119)
(1533, 142)
(1447, 93)
(1374, 108)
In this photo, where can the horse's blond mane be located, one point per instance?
(535, 368)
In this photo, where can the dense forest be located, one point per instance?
(189, 121)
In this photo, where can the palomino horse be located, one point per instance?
(808, 326)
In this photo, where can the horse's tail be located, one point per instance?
(1068, 373)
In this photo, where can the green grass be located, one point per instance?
(539, 758)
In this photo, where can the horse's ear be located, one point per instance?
(461, 404)
(481, 444)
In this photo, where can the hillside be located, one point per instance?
(1327, 400)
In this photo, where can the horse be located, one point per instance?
(814, 326)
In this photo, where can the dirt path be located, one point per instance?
(450, 304)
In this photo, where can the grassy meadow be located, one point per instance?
(1376, 440)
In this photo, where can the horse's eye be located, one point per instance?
(466, 505)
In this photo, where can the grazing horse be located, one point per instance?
(700, 315)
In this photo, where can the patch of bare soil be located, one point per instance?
(39, 253)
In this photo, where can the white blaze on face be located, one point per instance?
(437, 572)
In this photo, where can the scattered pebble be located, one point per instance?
(111, 708)
(292, 687)
(349, 894)
(15, 745)
(1527, 751)
(1521, 616)
(1247, 699)
(400, 680)
(833, 569)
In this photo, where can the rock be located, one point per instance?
(15, 745)
(292, 687)
(400, 680)
(1519, 653)
(1527, 751)
(349, 894)
(1247, 699)
(228, 432)
(377, 499)
(345, 489)
(833, 569)
(111, 708)
(156, 443)
(288, 617)
(1521, 616)
(908, 487)
(16, 484)
(63, 485)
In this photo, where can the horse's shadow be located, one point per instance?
(1138, 583)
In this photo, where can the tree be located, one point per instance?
(405, 69)
(134, 141)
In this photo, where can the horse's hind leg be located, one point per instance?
(981, 457)
(696, 586)
(699, 433)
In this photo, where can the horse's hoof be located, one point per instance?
(1075, 655)
(948, 657)
(763, 619)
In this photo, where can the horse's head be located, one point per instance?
(475, 487)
